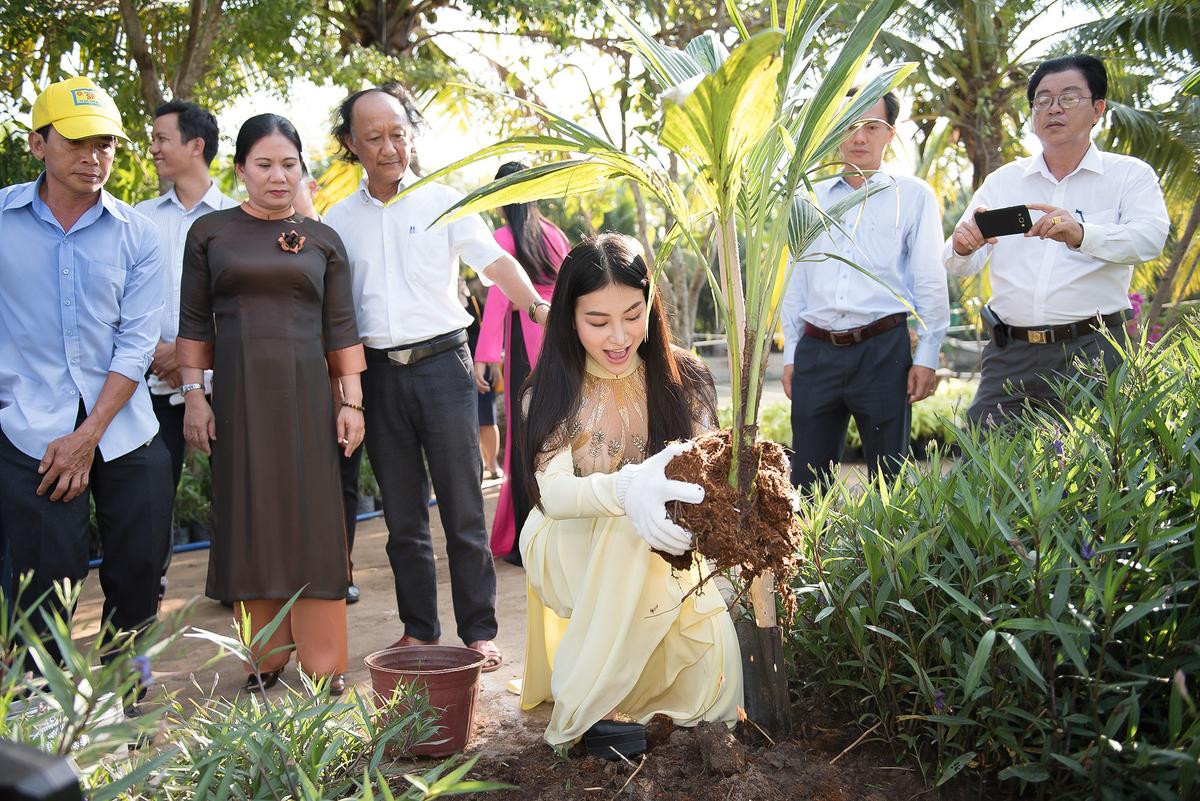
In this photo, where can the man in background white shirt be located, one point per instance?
(183, 144)
(847, 332)
(1056, 288)
(419, 387)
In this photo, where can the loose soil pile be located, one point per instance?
(762, 537)
(710, 763)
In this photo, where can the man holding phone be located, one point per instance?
(846, 332)
(1067, 227)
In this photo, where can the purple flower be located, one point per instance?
(142, 665)
(939, 701)
(1087, 551)
(1058, 447)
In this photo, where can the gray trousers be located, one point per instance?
(1020, 375)
(868, 380)
(428, 413)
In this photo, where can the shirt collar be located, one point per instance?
(212, 198)
(600, 371)
(1091, 161)
(29, 196)
(874, 178)
(23, 196)
(406, 180)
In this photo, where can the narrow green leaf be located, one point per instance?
(1024, 661)
(982, 652)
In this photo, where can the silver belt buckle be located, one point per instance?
(402, 357)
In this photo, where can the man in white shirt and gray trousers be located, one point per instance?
(1056, 288)
(846, 332)
(183, 143)
(419, 389)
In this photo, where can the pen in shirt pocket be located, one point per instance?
(1080, 213)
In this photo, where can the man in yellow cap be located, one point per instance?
(80, 298)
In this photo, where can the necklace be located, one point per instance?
(263, 214)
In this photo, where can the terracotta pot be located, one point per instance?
(450, 674)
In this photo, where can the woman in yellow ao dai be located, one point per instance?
(612, 629)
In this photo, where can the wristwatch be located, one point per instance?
(186, 388)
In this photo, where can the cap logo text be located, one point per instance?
(84, 97)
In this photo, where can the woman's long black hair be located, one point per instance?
(525, 220)
(676, 381)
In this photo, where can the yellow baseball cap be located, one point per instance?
(77, 108)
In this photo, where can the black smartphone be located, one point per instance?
(1003, 222)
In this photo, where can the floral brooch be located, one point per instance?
(291, 242)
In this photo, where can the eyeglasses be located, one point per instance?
(1065, 101)
(871, 127)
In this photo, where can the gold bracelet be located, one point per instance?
(356, 406)
(533, 307)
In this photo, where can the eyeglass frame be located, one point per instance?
(862, 122)
(1050, 100)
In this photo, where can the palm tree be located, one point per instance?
(749, 126)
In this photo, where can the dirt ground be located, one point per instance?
(706, 764)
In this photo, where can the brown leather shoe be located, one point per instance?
(406, 641)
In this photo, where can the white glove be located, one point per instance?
(644, 489)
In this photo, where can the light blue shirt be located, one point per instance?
(896, 236)
(173, 222)
(75, 306)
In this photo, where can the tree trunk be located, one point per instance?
(1166, 286)
(203, 25)
(139, 50)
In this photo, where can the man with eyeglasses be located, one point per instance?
(846, 307)
(1059, 288)
(81, 291)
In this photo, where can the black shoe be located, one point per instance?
(610, 739)
(261, 682)
(352, 594)
(337, 685)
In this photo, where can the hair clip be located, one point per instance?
(645, 282)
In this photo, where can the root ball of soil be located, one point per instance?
(763, 537)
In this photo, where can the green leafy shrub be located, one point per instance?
(1029, 611)
(300, 744)
(193, 496)
(368, 487)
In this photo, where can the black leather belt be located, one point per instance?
(852, 336)
(408, 355)
(1049, 335)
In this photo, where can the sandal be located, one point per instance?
(492, 658)
(263, 681)
(407, 641)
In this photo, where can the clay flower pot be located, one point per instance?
(449, 674)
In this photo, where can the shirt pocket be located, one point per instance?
(103, 287)
(428, 257)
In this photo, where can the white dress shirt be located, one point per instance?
(896, 235)
(405, 273)
(173, 222)
(1039, 282)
